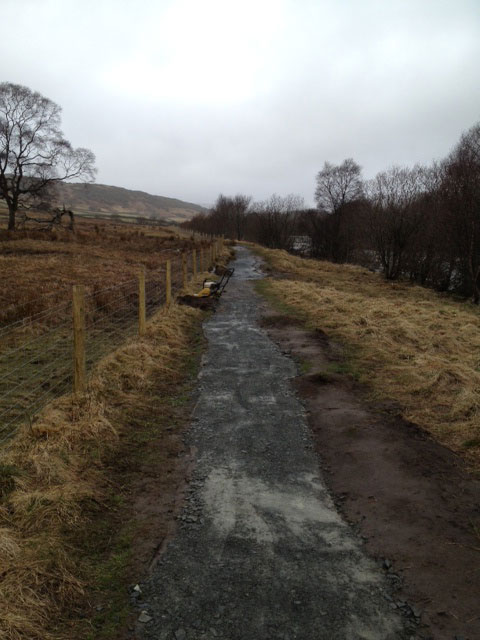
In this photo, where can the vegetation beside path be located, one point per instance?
(88, 491)
(409, 344)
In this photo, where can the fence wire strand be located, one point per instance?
(36, 352)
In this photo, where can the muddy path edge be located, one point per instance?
(413, 501)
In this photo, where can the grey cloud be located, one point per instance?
(193, 112)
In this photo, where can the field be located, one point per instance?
(72, 478)
(409, 345)
(39, 270)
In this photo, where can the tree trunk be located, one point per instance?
(11, 217)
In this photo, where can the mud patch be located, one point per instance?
(412, 501)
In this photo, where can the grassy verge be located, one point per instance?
(409, 344)
(87, 492)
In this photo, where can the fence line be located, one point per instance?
(53, 352)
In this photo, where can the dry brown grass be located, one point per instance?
(39, 268)
(52, 471)
(410, 344)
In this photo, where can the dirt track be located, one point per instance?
(411, 499)
(261, 552)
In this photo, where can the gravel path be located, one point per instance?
(261, 552)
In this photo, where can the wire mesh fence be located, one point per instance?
(38, 354)
(35, 365)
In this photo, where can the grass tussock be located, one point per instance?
(53, 475)
(410, 344)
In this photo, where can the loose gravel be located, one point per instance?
(261, 552)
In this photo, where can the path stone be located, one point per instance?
(269, 556)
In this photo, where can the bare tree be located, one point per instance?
(431, 257)
(34, 155)
(461, 190)
(337, 185)
(228, 216)
(395, 215)
(276, 220)
(240, 205)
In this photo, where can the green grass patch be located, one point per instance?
(347, 367)
(263, 288)
(110, 576)
(305, 367)
(472, 443)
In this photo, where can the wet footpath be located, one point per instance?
(261, 552)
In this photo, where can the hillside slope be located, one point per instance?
(104, 199)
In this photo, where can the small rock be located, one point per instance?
(137, 589)
(144, 617)
(393, 576)
(387, 564)
(180, 634)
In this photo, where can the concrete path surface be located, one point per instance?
(261, 552)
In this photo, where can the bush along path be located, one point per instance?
(261, 552)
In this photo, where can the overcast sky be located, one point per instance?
(190, 98)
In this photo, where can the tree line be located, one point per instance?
(420, 223)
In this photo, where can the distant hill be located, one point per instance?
(91, 199)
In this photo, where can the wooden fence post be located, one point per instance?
(184, 270)
(194, 260)
(78, 338)
(168, 283)
(142, 314)
(202, 265)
